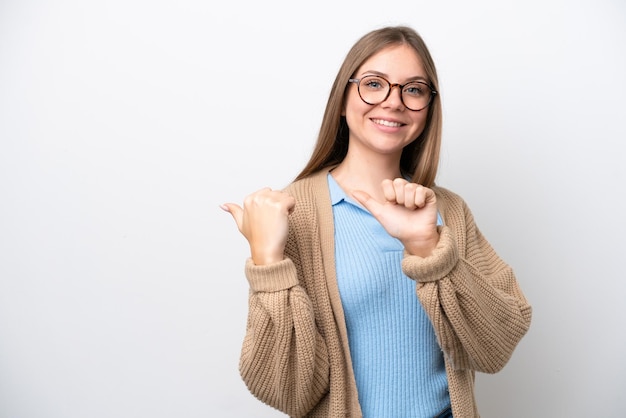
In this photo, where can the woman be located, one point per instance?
(373, 293)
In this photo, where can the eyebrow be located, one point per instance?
(408, 80)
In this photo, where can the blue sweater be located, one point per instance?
(397, 362)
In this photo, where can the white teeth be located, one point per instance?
(386, 123)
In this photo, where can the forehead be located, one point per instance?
(395, 61)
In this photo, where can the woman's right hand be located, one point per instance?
(263, 221)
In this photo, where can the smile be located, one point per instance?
(387, 123)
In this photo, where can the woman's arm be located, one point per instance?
(471, 296)
(284, 359)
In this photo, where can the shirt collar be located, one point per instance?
(337, 194)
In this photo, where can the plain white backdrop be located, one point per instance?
(125, 123)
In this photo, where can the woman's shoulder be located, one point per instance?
(450, 203)
(313, 183)
(447, 194)
(311, 193)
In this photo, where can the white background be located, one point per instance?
(125, 123)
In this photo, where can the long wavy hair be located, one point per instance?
(420, 159)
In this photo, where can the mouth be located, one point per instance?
(388, 123)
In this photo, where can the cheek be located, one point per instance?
(420, 125)
(420, 120)
(355, 111)
(354, 104)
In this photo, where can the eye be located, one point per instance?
(373, 83)
(416, 89)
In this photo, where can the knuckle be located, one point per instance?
(387, 181)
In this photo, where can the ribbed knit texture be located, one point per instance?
(295, 355)
(398, 365)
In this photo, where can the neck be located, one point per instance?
(367, 175)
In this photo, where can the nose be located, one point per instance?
(394, 99)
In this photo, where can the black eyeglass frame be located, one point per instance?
(391, 86)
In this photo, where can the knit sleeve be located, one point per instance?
(284, 360)
(471, 296)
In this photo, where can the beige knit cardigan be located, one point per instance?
(295, 354)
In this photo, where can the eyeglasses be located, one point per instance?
(374, 89)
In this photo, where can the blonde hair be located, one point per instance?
(420, 159)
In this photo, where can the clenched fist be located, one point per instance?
(409, 213)
(263, 221)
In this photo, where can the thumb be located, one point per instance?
(367, 201)
(235, 210)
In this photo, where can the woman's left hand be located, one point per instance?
(409, 213)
